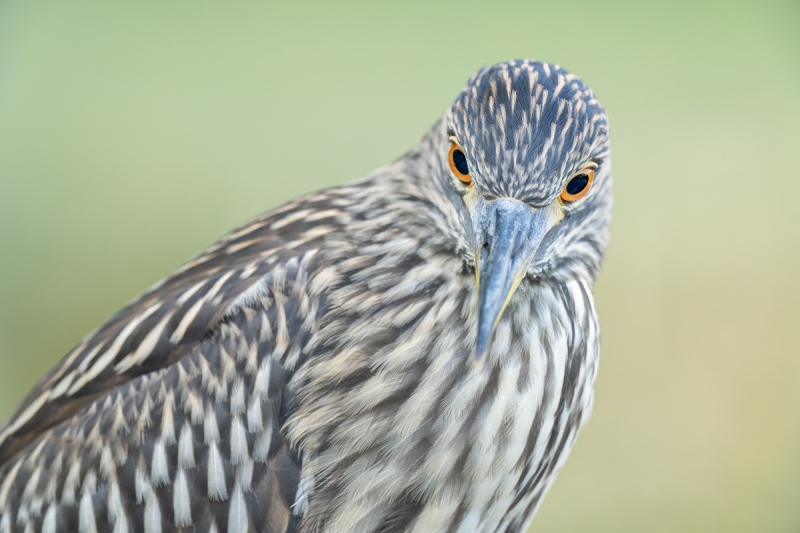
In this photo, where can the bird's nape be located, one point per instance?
(414, 351)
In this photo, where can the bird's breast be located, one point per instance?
(426, 433)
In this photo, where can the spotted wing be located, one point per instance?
(168, 321)
(196, 445)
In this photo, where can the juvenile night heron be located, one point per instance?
(414, 351)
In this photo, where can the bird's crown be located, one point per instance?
(525, 127)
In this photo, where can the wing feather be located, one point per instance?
(131, 458)
(168, 321)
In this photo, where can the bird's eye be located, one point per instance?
(578, 185)
(458, 163)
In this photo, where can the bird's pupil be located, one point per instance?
(577, 184)
(460, 162)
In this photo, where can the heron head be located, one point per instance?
(526, 147)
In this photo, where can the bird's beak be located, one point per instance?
(507, 234)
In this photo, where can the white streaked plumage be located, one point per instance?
(152, 515)
(217, 489)
(326, 368)
(237, 513)
(181, 500)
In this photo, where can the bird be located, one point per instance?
(412, 351)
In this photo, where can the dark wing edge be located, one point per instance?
(194, 445)
(152, 332)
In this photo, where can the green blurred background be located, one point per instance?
(134, 134)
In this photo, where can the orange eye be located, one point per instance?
(578, 185)
(458, 163)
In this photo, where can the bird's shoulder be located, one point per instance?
(170, 319)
